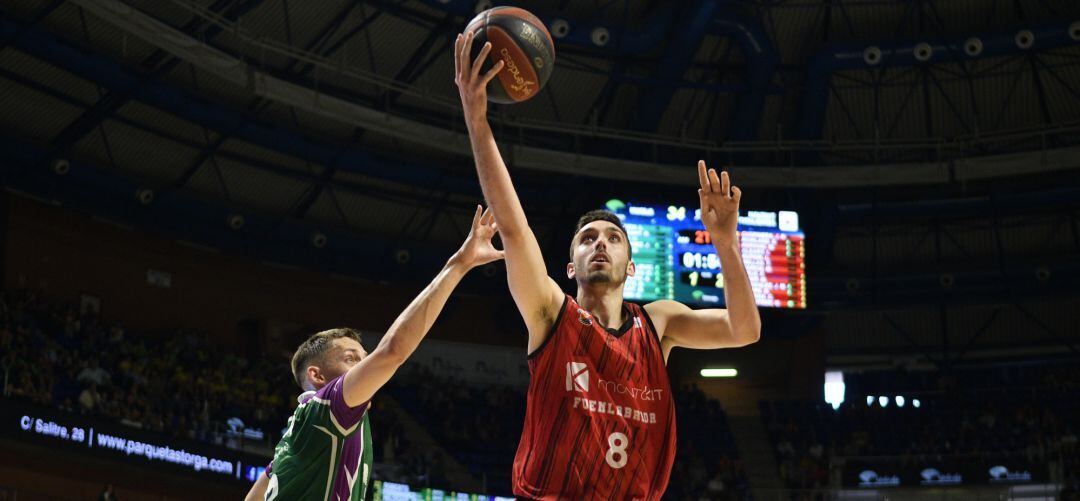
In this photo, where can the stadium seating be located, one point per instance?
(1026, 413)
(179, 384)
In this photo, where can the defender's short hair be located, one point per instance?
(314, 349)
(600, 215)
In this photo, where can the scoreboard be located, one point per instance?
(675, 257)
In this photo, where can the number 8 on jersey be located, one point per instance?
(616, 454)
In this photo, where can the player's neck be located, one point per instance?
(603, 302)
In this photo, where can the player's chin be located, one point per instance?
(599, 277)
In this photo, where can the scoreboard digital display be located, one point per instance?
(676, 260)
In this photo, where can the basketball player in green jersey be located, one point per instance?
(325, 453)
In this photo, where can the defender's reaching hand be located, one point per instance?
(478, 249)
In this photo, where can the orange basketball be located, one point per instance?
(523, 42)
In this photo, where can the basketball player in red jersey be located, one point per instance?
(600, 421)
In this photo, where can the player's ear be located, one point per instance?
(570, 273)
(631, 268)
(315, 376)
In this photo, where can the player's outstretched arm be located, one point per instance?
(537, 296)
(740, 323)
(258, 489)
(367, 376)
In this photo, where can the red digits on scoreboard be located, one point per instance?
(702, 237)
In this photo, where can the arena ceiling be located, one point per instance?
(342, 115)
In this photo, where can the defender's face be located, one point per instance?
(345, 353)
(601, 255)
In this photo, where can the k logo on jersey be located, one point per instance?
(577, 376)
(584, 317)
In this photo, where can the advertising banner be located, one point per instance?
(104, 439)
(941, 473)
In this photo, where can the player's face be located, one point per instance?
(346, 353)
(601, 255)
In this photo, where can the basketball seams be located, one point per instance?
(544, 47)
(523, 15)
(515, 37)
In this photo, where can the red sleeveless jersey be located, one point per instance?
(600, 420)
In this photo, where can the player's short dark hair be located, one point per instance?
(600, 215)
(315, 347)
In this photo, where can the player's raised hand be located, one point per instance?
(719, 204)
(472, 86)
(478, 248)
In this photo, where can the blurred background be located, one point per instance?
(192, 187)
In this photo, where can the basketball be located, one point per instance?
(523, 42)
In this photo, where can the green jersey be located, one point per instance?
(326, 451)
